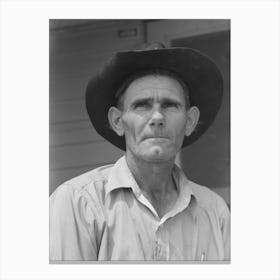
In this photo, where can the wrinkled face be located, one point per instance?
(154, 118)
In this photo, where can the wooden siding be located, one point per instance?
(76, 53)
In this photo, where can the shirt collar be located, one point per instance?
(121, 177)
(182, 183)
(186, 195)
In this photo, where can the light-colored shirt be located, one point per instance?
(103, 215)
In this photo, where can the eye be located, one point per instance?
(142, 105)
(170, 104)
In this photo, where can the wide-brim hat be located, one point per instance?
(198, 71)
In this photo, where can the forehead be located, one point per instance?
(154, 86)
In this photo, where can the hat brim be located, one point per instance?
(197, 70)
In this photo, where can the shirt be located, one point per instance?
(103, 215)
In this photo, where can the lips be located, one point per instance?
(155, 137)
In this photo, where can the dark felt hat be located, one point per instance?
(198, 71)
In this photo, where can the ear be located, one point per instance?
(114, 117)
(192, 120)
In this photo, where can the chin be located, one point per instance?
(158, 154)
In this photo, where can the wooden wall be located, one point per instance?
(76, 53)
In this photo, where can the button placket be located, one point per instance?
(160, 247)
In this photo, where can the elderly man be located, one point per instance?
(150, 103)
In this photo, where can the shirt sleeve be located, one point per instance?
(71, 227)
(225, 228)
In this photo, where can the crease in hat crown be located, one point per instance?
(198, 71)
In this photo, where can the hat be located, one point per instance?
(198, 71)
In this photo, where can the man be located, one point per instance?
(150, 103)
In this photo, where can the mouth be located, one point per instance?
(156, 138)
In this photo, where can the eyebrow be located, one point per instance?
(149, 100)
(141, 100)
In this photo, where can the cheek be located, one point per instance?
(132, 126)
(180, 129)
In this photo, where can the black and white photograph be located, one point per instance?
(140, 140)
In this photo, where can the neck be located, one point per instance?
(153, 178)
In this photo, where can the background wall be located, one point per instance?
(79, 48)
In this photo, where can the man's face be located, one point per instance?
(154, 118)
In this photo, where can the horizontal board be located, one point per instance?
(68, 88)
(98, 39)
(70, 126)
(68, 156)
(177, 28)
(74, 137)
(69, 110)
(62, 25)
(84, 64)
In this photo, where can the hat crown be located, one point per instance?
(153, 46)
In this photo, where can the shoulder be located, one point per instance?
(88, 187)
(208, 199)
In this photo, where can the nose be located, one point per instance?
(157, 119)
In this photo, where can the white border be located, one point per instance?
(255, 137)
